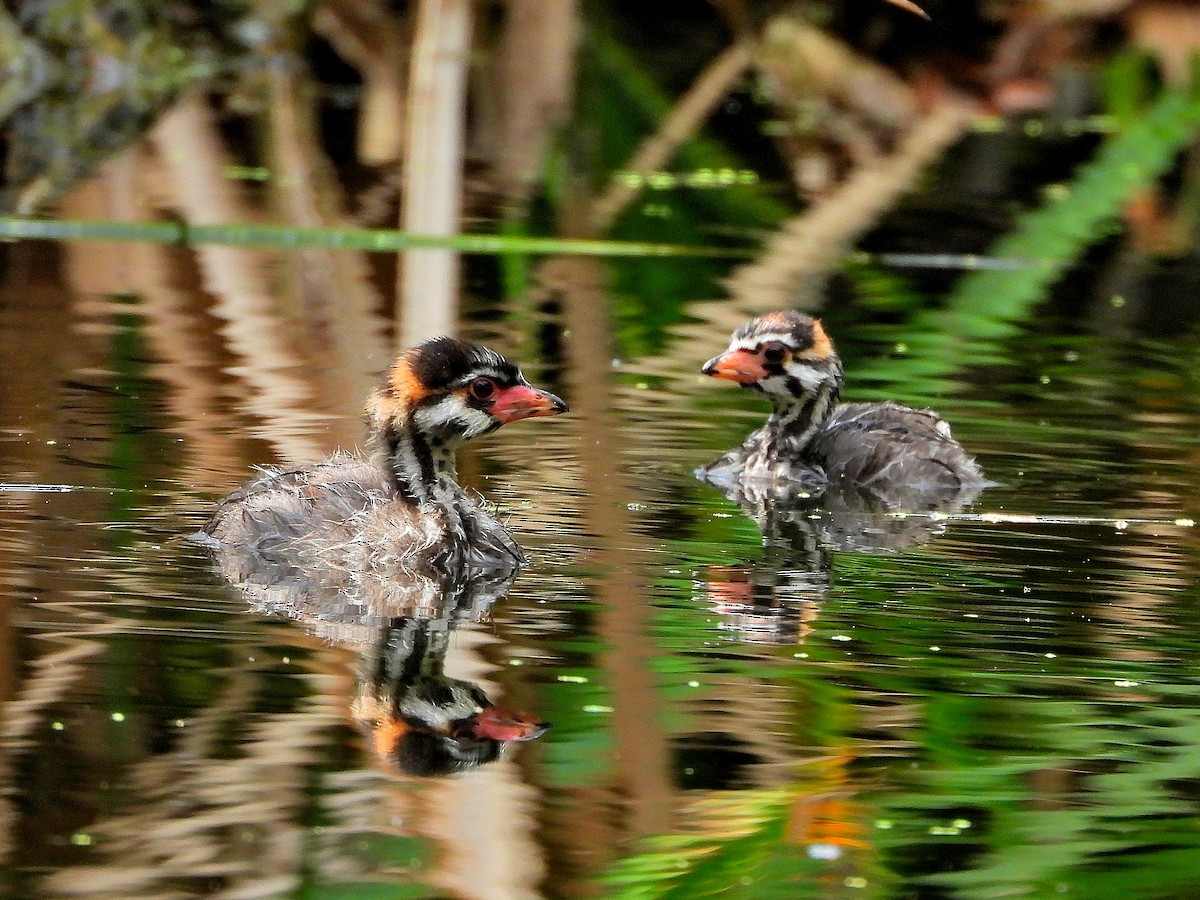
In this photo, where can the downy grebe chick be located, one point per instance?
(403, 506)
(811, 441)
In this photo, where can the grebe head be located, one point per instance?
(438, 395)
(785, 355)
(451, 391)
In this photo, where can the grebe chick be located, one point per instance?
(403, 506)
(812, 442)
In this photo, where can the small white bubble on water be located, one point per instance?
(840, 637)
(1123, 683)
(825, 852)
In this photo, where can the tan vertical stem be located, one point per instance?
(623, 620)
(427, 292)
(685, 119)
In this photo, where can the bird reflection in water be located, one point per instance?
(421, 721)
(776, 599)
(418, 720)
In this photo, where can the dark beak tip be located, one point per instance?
(710, 367)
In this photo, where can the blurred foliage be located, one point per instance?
(620, 104)
(89, 79)
(388, 854)
(988, 306)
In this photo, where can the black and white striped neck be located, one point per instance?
(795, 421)
(422, 467)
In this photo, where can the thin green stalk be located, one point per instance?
(370, 240)
(987, 306)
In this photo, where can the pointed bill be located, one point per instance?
(910, 7)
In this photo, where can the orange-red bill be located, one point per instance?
(524, 402)
(502, 725)
(741, 366)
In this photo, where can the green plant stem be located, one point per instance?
(371, 240)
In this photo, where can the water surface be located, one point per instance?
(1003, 703)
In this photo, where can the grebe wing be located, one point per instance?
(289, 502)
(896, 450)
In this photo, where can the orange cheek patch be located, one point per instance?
(401, 391)
(404, 384)
(822, 346)
(387, 734)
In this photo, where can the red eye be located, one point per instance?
(482, 388)
(774, 352)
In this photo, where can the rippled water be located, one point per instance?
(1004, 703)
